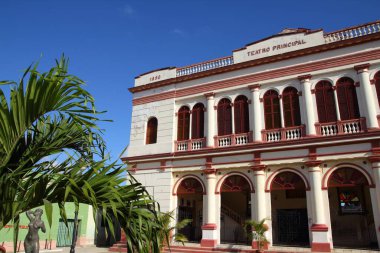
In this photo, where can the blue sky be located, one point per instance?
(109, 42)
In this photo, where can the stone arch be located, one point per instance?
(182, 179)
(269, 181)
(329, 172)
(234, 173)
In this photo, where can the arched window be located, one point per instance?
(183, 123)
(272, 110)
(377, 85)
(224, 117)
(197, 128)
(324, 95)
(151, 131)
(291, 106)
(347, 99)
(241, 115)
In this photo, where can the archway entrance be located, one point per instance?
(352, 221)
(289, 210)
(190, 203)
(235, 209)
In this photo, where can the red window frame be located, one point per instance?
(347, 99)
(224, 117)
(151, 131)
(272, 110)
(377, 86)
(291, 107)
(197, 121)
(183, 127)
(241, 115)
(324, 94)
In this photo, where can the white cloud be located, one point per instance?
(128, 10)
(179, 32)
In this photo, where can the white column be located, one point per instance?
(210, 120)
(233, 118)
(367, 92)
(209, 229)
(336, 103)
(307, 102)
(319, 229)
(375, 195)
(256, 109)
(259, 201)
(281, 111)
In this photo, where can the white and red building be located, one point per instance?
(287, 128)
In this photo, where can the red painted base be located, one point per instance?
(209, 243)
(320, 247)
(2, 249)
(255, 245)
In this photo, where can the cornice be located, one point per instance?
(261, 61)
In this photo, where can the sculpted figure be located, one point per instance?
(32, 240)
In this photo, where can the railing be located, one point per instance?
(233, 139)
(353, 32)
(232, 214)
(204, 66)
(351, 126)
(193, 144)
(288, 133)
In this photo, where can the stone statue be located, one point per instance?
(32, 240)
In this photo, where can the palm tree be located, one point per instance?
(51, 151)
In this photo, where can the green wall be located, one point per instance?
(6, 234)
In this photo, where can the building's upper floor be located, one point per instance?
(299, 86)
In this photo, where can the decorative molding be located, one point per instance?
(357, 84)
(258, 77)
(319, 228)
(362, 67)
(374, 158)
(303, 78)
(163, 165)
(259, 167)
(313, 163)
(279, 96)
(249, 101)
(312, 91)
(209, 171)
(372, 81)
(253, 87)
(333, 87)
(299, 93)
(209, 94)
(261, 100)
(209, 226)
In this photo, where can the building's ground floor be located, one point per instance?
(322, 203)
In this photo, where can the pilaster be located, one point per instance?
(307, 102)
(209, 229)
(367, 93)
(256, 109)
(319, 229)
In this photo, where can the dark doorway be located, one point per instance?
(292, 226)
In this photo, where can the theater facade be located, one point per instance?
(284, 129)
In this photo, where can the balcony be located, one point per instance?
(351, 126)
(233, 139)
(187, 145)
(279, 134)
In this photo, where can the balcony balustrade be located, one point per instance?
(351, 126)
(288, 133)
(275, 135)
(193, 144)
(233, 139)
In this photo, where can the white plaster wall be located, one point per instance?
(159, 184)
(164, 112)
